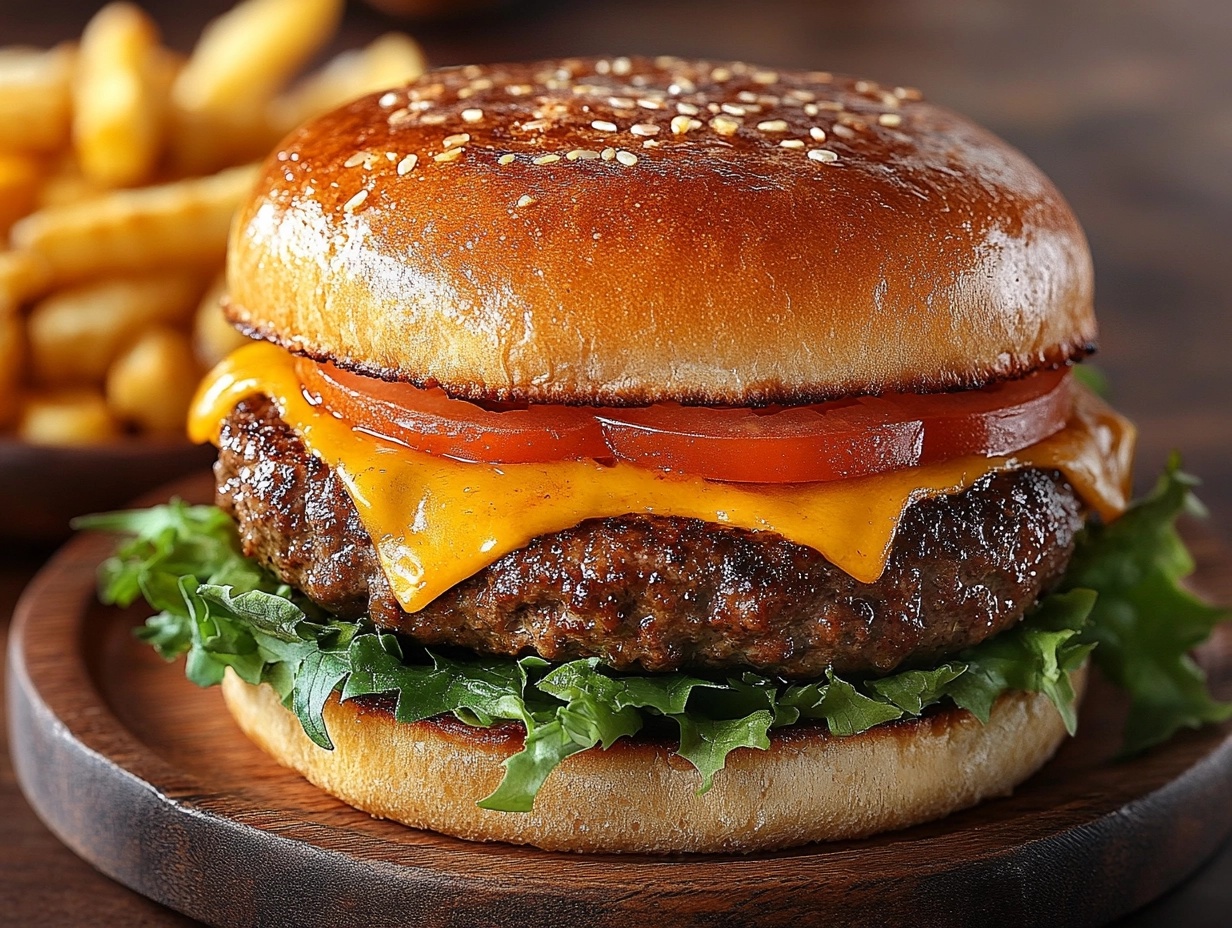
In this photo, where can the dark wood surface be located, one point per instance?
(145, 776)
(1126, 105)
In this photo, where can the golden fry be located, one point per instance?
(117, 109)
(66, 417)
(391, 61)
(19, 187)
(35, 98)
(249, 53)
(173, 225)
(151, 384)
(24, 276)
(76, 334)
(213, 336)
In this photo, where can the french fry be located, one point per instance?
(152, 383)
(117, 110)
(182, 224)
(250, 52)
(35, 98)
(76, 334)
(66, 417)
(19, 187)
(24, 276)
(11, 351)
(213, 336)
(390, 61)
(66, 184)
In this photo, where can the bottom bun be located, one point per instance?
(639, 796)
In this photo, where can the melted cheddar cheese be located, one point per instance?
(436, 521)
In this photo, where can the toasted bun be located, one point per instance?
(624, 232)
(640, 797)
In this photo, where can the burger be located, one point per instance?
(662, 455)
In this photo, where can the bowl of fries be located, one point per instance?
(121, 164)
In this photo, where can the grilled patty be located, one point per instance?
(661, 593)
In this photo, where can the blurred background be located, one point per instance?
(1126, 104)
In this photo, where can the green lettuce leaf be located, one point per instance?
(1144, 623)
(221, 610)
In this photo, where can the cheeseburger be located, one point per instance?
(652, 455)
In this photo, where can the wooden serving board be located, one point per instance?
(144, 776)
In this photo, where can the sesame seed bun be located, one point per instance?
(639, 796)
(628, 231)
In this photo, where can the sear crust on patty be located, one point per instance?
(660, 593)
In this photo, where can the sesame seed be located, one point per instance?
(732, 109)
(649, 104)
(582, 154)
(644, 128)
(450, 154)
(472, 115)
(801, 96)
(456, 141)
(627, 158)
(621, 103)
(765, 77)
(681, 85)
(432, 119)
(746, 96)
(546, 159)
(356, 159)
(505, 159)
(407, 164)
(356, 201)
(817, 133)
(773, 125)
(792, 143)
(832, 105)
(719, 75)
(608, 154)
(399, 116)
(622, 66)
(724, 125)
(811, 109)
(682, 124)
(650, 143)
(866, 86)
(843, 132)
(603, 125)
(519, 90)
(688, 109)
(908, 93)
(824, 155)
(525, 200)
(535, 124)
(391, 156)
(890, 119)
(387, 100)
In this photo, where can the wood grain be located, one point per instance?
(145, 776)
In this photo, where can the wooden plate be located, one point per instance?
(145, 777)
(46, 486)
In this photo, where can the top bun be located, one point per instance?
(625, 231)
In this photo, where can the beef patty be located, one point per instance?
(662, 593)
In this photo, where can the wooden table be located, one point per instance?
(1127, 106)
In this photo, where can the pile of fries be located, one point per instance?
(121, 164)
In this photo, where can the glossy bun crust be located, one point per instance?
(627, 231)
(641, 797)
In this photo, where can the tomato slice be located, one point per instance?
(827, 441)
(428, 420)
(850, 438)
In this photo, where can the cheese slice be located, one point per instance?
(436, 521)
